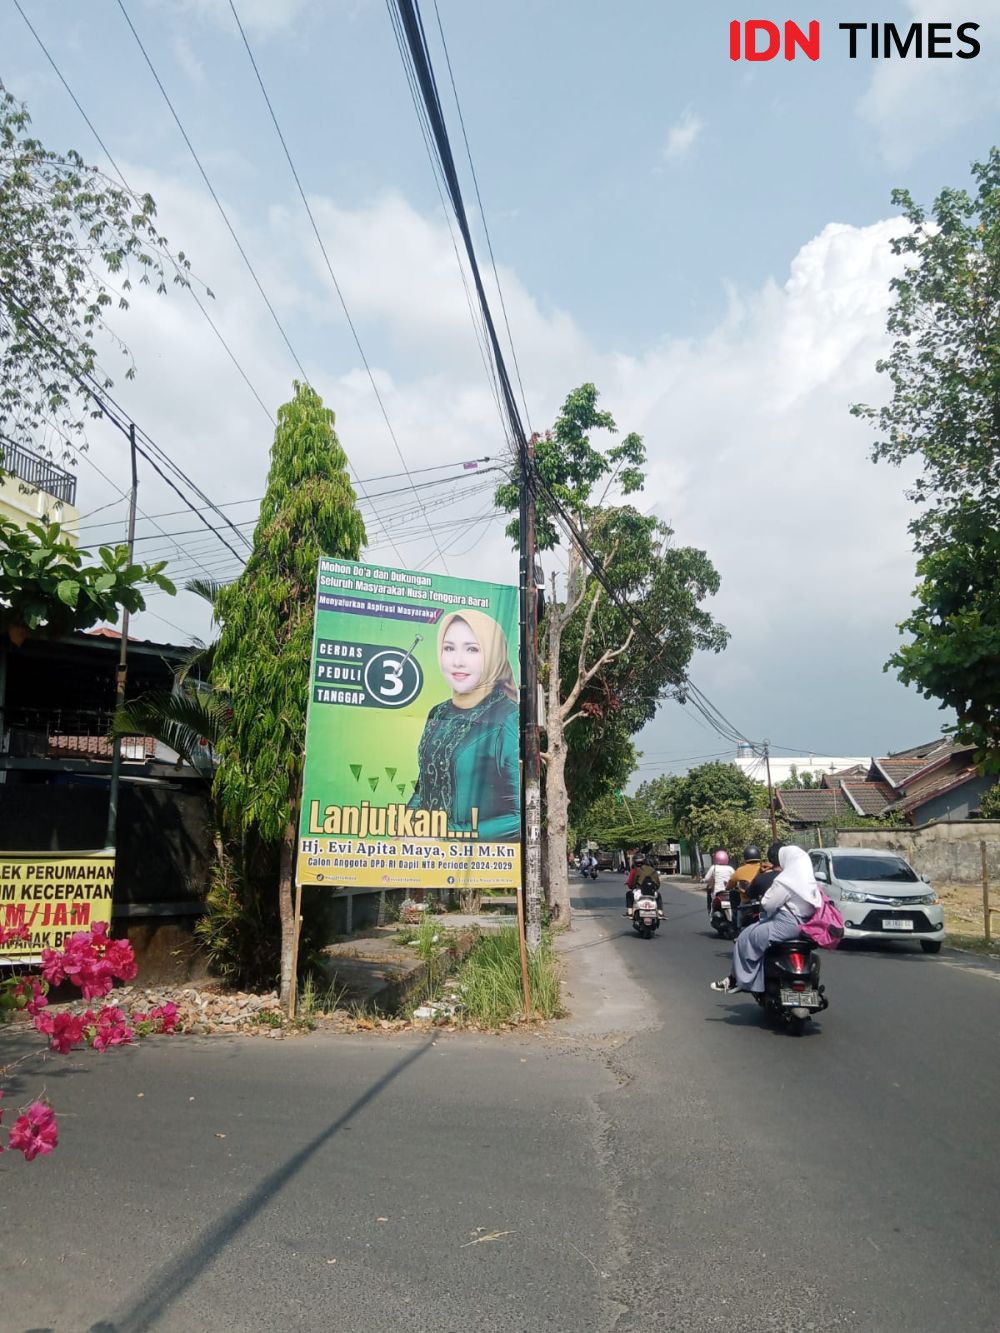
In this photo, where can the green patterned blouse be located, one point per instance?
(470, 757)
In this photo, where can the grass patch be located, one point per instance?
(489, 981)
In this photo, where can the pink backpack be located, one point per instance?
(826, 926)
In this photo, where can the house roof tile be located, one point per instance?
(871, 797)
(811, 805)
(100, 747)
(946, 780)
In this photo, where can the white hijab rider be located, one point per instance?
(795, 887)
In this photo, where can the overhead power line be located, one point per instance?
(329, 265)
(118, 172)
(417, 56)
(482, 213)
(211, 189)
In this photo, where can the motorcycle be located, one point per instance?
(589, 871)
(792, 989)
(645, 917)
(722, 918)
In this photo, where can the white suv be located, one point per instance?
(880, 896)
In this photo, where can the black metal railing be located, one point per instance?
(37, 472)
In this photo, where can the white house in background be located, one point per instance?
(34, 490)
(752, 764)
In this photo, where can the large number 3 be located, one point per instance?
(392, 678)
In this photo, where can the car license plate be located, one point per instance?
(897, 923)
(808, 999)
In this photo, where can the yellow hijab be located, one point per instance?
(496, 663)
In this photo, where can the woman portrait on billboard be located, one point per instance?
(468, 755)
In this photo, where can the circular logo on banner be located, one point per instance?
(392, 678)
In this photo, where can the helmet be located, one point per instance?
(721, 858)
(751, 853)
(639, 859)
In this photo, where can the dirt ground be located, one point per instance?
(963, 909)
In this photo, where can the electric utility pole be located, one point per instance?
(110, 837)
(770, 791)
(532, 763)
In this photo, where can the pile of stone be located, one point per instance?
(204, 1011)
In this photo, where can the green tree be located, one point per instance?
(72, 246)
(595, 664)
(47, 590)
(732, 828)
(953, 653)
(989, 806)
(263, 653)
(618, 823)
(661, 795)
(944, 411)
(715, 786)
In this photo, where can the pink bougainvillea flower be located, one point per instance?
(52, 967)
(65, 1032)
(166, 1014)
(34, 1133)
(29, 989)
(113, 1029)
(10, 934)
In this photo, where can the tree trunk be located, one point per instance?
(556, 799)
(557, 805)
(286, 910)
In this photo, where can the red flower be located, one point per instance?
(64, 1030)
(34, 1133)
(167, 1014)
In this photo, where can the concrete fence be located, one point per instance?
(947, 851)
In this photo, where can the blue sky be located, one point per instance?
(706, 240)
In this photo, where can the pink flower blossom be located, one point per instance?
(113, 1029)
(34, 1133)
(9, 934)
(91, 961)
(36, 1001)
(64, 1030)
(167, 1015)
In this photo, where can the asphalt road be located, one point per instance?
(849, 1178)
(710, 1173)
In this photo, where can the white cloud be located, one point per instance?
(261, 17)
(752, 452)
(681, 137)
(185, 56)
(917, 104)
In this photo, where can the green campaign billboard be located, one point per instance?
(412, 772)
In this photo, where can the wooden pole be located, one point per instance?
(986, 893)
(293, 993)
(522, 941)
(111, 832)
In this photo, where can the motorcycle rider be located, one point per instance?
(789, 898)
(642, 877)
(743, 876)
(719, 874)
(588, 862)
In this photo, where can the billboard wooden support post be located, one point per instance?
(986, 892)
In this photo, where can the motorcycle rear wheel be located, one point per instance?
(797, 1025)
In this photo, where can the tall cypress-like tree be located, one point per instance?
(265, 644)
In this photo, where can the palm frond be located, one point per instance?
(186, 721)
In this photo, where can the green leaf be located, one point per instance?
(68, 592)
